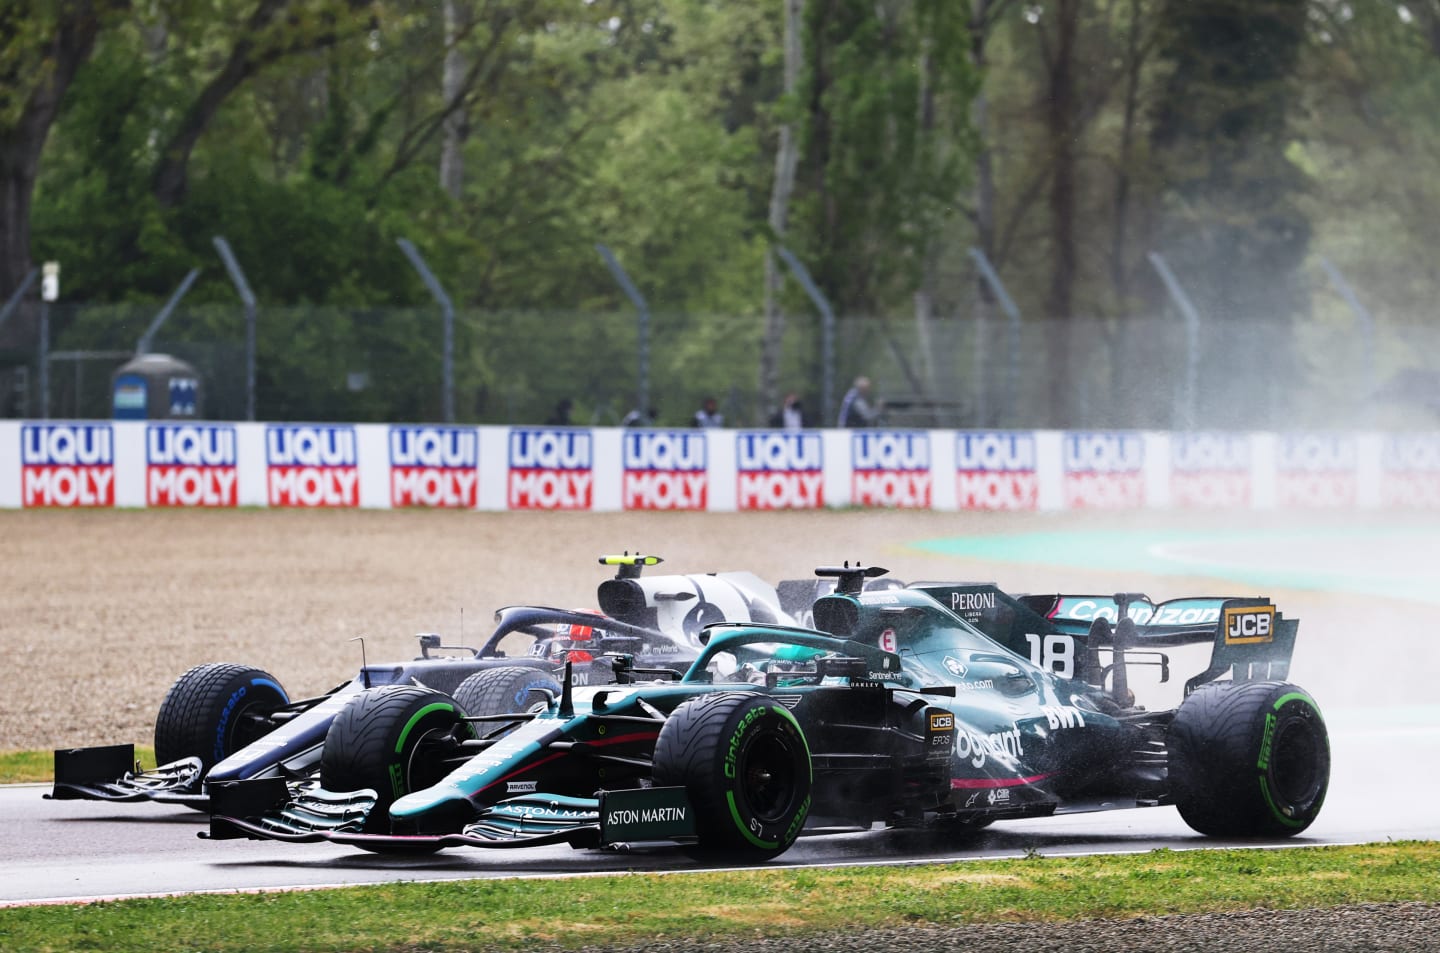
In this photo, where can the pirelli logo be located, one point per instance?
(941, 721)
(1249, 625)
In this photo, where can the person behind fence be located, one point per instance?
(560, 416)
(709, 414)
(790, 415)
(640, 418)
(856, 410)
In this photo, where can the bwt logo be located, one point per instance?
(434, 466)
(996, 471)
(890, 468)
(67, 465)
(1210, 470)
(664, 470)
(189, 465)
(779, 471)
(1104, 470)
(1317, 470)
(311, 466)
(550, 470)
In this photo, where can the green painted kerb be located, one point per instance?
(1219, 554)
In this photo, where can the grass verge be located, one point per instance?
(639, 909)
(28, 767)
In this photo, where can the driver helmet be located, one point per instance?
(567, 636)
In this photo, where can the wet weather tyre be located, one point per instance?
(393, 740)
(1249, 760)
(510, 688)
(745, 765)
(214, 710)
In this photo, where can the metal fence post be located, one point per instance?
(242, 287)
(642, 391)
(143, 345)
(827, 331)
(1192, 333)
(13, 301)
(44, 358)
(1012, 313)
(447, 310)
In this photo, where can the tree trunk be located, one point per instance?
(1061, 130)
(985, 414)
(170, 180)
(22, 141)
(786, 157)
(453, 85)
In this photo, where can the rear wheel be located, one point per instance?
(1249, 760)
(510, 688)
(745, 765)
(214, 710)
(392, 740)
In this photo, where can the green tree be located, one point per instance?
(887, 97)
(42, 47)
(1229, 215)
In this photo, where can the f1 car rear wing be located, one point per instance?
(1250, 638)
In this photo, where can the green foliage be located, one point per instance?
(883, 159)
(1222, 130)
(1238, 138)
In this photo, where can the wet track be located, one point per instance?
(1365, 594)
(70, 850)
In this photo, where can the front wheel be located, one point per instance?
(743, 760)
(393, 740)
(1250, 759)
(214, 710)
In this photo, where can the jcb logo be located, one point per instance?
(941, 721)
(1250, 624)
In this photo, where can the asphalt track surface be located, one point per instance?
(56, 851)
(1366, 595)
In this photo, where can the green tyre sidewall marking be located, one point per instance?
(415, 720)
(740, 824)
(1275, 811)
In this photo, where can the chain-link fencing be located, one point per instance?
(377, 364)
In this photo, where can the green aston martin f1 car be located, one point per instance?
(948, 705)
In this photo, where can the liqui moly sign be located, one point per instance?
(996, 470)
(1210, 470)
(1317, 470)
(664, 470)
(434, 466)
(550, 469)
(190, 465)
(309, 465)
(1410, 470)
(778, 471)
(890, 468)
(67, 465)
(1104, 470)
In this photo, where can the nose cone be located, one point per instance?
(431, 811)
